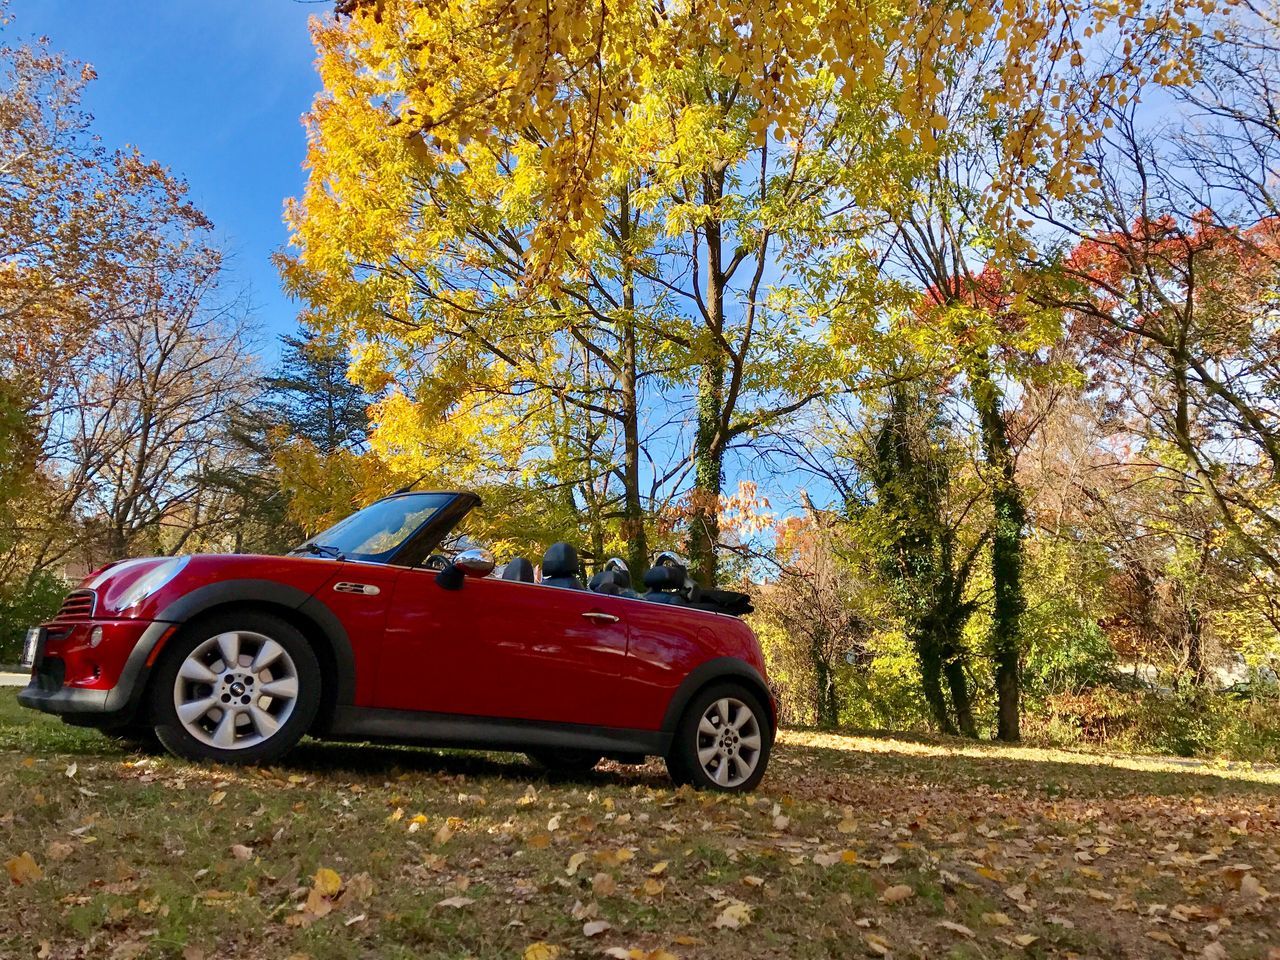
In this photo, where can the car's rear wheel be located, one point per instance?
(236, 688)
(723, 740)
(565, 760)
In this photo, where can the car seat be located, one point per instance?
(560, 567)
(519, 569)
(670, 584)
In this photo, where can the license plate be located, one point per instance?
(32, 649)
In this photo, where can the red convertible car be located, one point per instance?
(376, 631)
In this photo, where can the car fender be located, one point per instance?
(718, 668)
(191, 605)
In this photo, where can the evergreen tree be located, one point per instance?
(312, 398)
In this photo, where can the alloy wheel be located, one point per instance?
(729, 742)
(235, 690)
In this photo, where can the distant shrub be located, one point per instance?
(23, 607)
(1184, 723)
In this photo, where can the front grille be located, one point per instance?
(77, 606)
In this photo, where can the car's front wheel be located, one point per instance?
(722, 741)
(235, 688)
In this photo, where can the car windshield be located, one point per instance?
(379, 530)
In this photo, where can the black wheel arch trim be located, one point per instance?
(203, 599)
(719, 668)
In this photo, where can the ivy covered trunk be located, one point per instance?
(931, 684)
(1009, 517)
(959, 686)
(827, 699)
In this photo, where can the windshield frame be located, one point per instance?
(419, 543)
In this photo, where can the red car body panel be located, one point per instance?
(403, 643)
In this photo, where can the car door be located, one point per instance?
(503, 649)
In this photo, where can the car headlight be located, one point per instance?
(149, 583)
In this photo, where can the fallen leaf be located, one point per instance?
(997, 919)
(59, 850)
(1214, 951)
(735, 915)
(358, 889)
(577, 860)
(878, 945)
(241, 852)
(326, 883)
(541, 951)
(217, 797)
(593, 928)
(603, 885)
(896, 893)
(958, 928)
(23, 868)
(457, 903)
(1251, 888)
(653, 887)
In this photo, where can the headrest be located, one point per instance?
(518, 568)
(665, 578)
(621, 575)
(560, 560)
(606, 581)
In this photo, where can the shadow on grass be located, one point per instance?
(831, 767)
(370, 759)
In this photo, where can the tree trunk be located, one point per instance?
(710, 440)
(931, 681)
(1195, 648)
(1006, 555)
(633, 532)
(959, 686)
(826, 696)
(708, 479)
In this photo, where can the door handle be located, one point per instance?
(599, 617)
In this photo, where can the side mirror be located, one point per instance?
(475, 563)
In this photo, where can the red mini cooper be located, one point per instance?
(380, 629)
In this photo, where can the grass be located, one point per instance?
(854, 846)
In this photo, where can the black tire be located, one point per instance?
(174, 734)
(565, 760)
(682, 759)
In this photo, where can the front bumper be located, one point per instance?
(100, 686)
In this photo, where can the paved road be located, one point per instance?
(14, 679)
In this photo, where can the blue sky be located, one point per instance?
(214, 89)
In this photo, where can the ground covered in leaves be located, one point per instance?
(852, 847)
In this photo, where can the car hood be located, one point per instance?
(118, 583)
